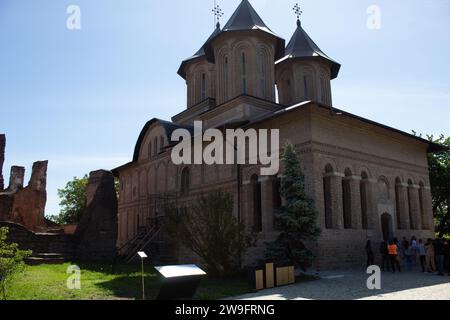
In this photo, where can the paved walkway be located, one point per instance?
(351, 285)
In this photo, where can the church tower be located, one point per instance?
(305, 72)
(200, 75)
(244, 53)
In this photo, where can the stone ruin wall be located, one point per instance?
(19, 204)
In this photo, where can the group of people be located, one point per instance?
(433, 255)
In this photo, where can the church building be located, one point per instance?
(368, 180)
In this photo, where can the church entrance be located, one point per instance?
(386, 226)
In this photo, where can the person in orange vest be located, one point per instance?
(393, 255)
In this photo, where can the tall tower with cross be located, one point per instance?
(200, 75)
(244, 53)
(305, 72)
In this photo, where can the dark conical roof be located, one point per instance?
(302, 46)
(245, 18)
(199, 54)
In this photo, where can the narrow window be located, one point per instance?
(244, 73)
(225, 80)
(328, 206)
(203, 87)
(321, 91)
(305, 87)
(262, 76)
(161, 143)
(277, 201)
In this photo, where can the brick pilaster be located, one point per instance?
(403, 206)
(355, 196)
(413, 192)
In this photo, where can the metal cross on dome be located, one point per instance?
(297, 11)
(218, 13)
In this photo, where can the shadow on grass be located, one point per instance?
(126, 282)
(130, 287)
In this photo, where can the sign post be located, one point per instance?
(142, 255)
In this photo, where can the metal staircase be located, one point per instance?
(139, 243)
(152, 238)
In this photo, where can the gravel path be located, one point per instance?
(351, 285)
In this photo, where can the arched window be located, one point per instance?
(225, 79)
(276, 185)
(244, 73)
(327, 197)
(347, 199)
(203, 87)
(285, 89)
(161, 143)
(321, 91)
(262, 75)
(305, 87)
(257, 212)
(185, 182)
(398, 185)
(155, 146)
(363, 192)
(308, 86)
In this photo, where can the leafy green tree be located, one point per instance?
(439, 164)
(11, 261)
(297, 219)
(208, 227)
(73, 201)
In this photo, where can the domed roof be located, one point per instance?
(301, 46)
(198, 55)
(245, 18)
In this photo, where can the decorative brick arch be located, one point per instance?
(363, 169)
(252, 172)
(328, 161)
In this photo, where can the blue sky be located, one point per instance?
(80, 98)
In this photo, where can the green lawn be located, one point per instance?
(103, 282)
(48, 282)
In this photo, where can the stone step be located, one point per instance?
(48, 255)
(33, 261)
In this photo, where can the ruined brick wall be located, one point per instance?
(29, 202)
(2, 159)
(96, 234)
(40, 243)
(19, 204)
(16, 179)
